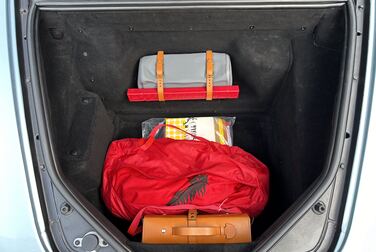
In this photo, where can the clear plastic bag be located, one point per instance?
(216, 129)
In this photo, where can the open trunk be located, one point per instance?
(287, 62)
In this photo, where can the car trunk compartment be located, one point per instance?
(287, 63)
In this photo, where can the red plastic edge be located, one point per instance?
(170, 94)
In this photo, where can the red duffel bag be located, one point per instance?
(166, 176)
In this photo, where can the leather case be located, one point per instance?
(181, 229)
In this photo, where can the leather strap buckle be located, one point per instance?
(192, 214)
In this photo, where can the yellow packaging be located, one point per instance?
(214, 129)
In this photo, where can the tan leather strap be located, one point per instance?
(191, 221)
(209, 75)
(159, 73)
(196, 231)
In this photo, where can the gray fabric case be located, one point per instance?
(185, 70)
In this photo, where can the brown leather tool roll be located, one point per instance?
(194, 228)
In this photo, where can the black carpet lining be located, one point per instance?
(287, 65)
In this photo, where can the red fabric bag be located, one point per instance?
(166, 176)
